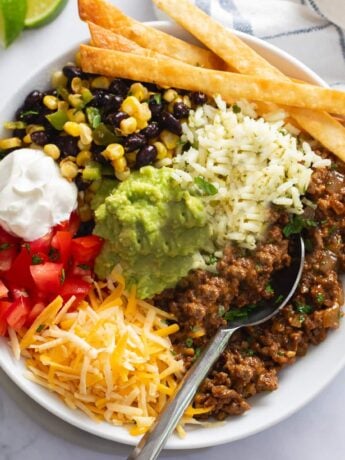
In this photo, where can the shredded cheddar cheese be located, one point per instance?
(112, 358)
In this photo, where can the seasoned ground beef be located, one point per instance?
(254, 356)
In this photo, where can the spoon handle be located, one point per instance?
(154, 440)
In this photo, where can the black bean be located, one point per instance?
(19, 133)
(180, 110)
(167, 121)
(151, 131)
(86, 228)
(134, 142)
(146, 156)
(97, 154)
(198, 98)
(155, 107)
(106, 101)
(72, 71)
(67, 144)
(115, 119)
(80, 183)
(33, 100)
(39, 138)
(119, 87)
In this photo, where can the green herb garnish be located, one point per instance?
(239, 313)
(304, 309)
(320, 297)
(36, 259)
(40, 328)
(269, 289)
(206, 187)
(53, 254)
(211, 260)
(28, 112)
(297, 224)
(4, 246)
(84, 266)
(189, 342)
(157, 98)
(236, 108)
(197, 353)
(94, 116)
(279, 299)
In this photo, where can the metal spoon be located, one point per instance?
(284, 283)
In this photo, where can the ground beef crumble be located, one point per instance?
(251, 362)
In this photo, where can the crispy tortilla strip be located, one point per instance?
(328, 131)
(108, 16)
(166, 72)
(103, 38)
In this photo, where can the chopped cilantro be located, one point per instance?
(279, 299)
(84, 266)
(211, 259)
(236, 108)
(197, 353)
(157, 98)
(221, 310)
(28, 112)
(4, 246)
(302, 308)
(320, 297)
(308, 245)
(248, 352)
(40, 328)
(36, 259)
(63, 276)
(206, 187)
(269, 289)
(53, 254)
(189, 342)
(94, 116)
(332, 230)
(297, 224)
(239, 313)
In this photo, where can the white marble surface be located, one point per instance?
(28, 432)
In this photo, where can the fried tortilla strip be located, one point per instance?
(328, 131)
(108, 16)
(166, 72)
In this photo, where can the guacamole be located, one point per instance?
(152, 228)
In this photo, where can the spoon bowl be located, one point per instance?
(284, 283)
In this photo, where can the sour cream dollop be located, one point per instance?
(33, 195)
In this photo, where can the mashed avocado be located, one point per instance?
(152, 228)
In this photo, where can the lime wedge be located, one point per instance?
(41, 12)
(12, 15)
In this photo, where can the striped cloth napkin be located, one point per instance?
(311, 30)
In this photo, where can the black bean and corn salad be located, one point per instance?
(95, 127)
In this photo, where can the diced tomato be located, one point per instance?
(8, 253)
(62, 242)
(3, 290)
(48, 277)
(41, 244)
(4, 309)
(75, 286)
(35, 312)
(18, 313)
(19, 275)
(71, 225)
(86, 248)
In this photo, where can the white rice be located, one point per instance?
(252, 162)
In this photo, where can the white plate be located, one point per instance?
(298, 384)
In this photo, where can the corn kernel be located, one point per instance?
(130, 105)
(170, 95)
(113, 152)
(169, 139)
(119, 164)
(161, 150)
(34, 128)
(76, 84)
(50, 102)
(77, 59)
(144, 112)
(128, 126)
(10, 143)
(186, 100)
(27, 139)
(82, 146)
(141, 124)
(52, 151)
(85, 133)
(83, 157)
(68, 169)
(75, 100)
(123, 175)
(100, 83)
(72, 128)
(63, 106)
(76, 115)
(139, 91)
(58, 79)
